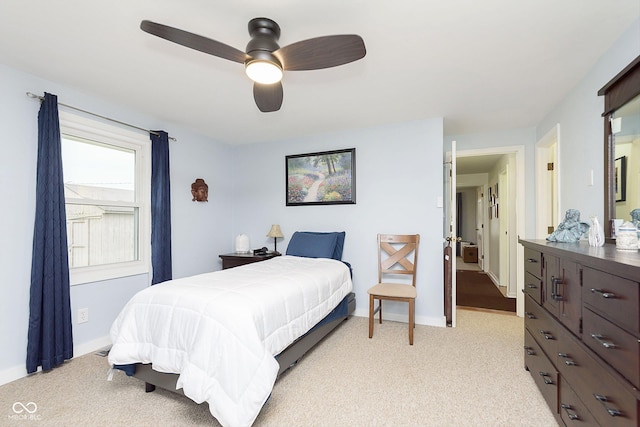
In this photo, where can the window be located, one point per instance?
(106, 185)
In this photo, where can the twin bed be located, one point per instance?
(224, 337)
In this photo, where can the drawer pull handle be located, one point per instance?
(532, 260)
(602, 342)
(529, 351)
(529, 315)
(531, 286)
(603, 399)
(555, 281)
(547, 335)
(604, 294)
(546, 378)
(571, 415)
(569, 361)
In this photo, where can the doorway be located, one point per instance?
(501, 214)
(547, 183)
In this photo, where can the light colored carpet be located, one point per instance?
(471, 375)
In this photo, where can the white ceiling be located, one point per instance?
(477, 164)
(482, 65)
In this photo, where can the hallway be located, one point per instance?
(476, 289)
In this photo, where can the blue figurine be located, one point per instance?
(635, 217)
(571, 229)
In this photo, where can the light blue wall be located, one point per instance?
(200, 231)
(398, 180)
(582, 129)
(581, 136)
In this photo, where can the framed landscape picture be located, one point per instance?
(324, 178)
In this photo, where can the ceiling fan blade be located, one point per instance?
(321, 52)
(268, 97)
(194, 41)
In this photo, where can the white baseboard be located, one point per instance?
(20, 371)
(396, 317)
(91, 346)
(12, 374)
(493, 278)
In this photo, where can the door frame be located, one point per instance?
(547, 147)
(517, 213)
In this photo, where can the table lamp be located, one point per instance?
(275, 232)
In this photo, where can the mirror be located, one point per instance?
(625, 130)
(622, 146)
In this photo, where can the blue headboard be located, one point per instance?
(313, 244)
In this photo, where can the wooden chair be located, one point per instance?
(397, 255)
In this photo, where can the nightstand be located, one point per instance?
(235, 259)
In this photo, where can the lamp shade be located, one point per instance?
(275, 231)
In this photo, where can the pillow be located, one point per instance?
(312, 244)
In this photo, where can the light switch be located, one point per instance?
(439, 202)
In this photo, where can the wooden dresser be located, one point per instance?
(582, 331)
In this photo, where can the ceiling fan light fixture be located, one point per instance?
(264, 59)
(263, 72)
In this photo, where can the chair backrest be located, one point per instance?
(401, 255)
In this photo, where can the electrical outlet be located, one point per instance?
(83, 315)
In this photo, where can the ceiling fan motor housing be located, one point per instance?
(264, 41)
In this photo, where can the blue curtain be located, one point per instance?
(160, 208)
(49, 341)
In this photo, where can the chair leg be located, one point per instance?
(371, 302)
(411, 320)
(380, 310)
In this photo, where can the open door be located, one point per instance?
(449, 233)
(480, 225)
(504, 240)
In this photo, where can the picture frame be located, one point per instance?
(620, 179)
(321, 178)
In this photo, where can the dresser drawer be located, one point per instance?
(533, 262)
(542, 326)
(614, 296)
(589, 378)
(533, 287)
(544, 374)
(572, 411)
(616, 346)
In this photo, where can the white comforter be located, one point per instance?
(221, 330)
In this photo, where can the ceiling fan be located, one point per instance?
(264, 59)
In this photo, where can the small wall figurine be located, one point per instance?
(199, 191)
(571, 229)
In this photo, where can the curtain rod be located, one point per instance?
(32, 95)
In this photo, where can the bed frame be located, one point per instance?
(286, 359)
